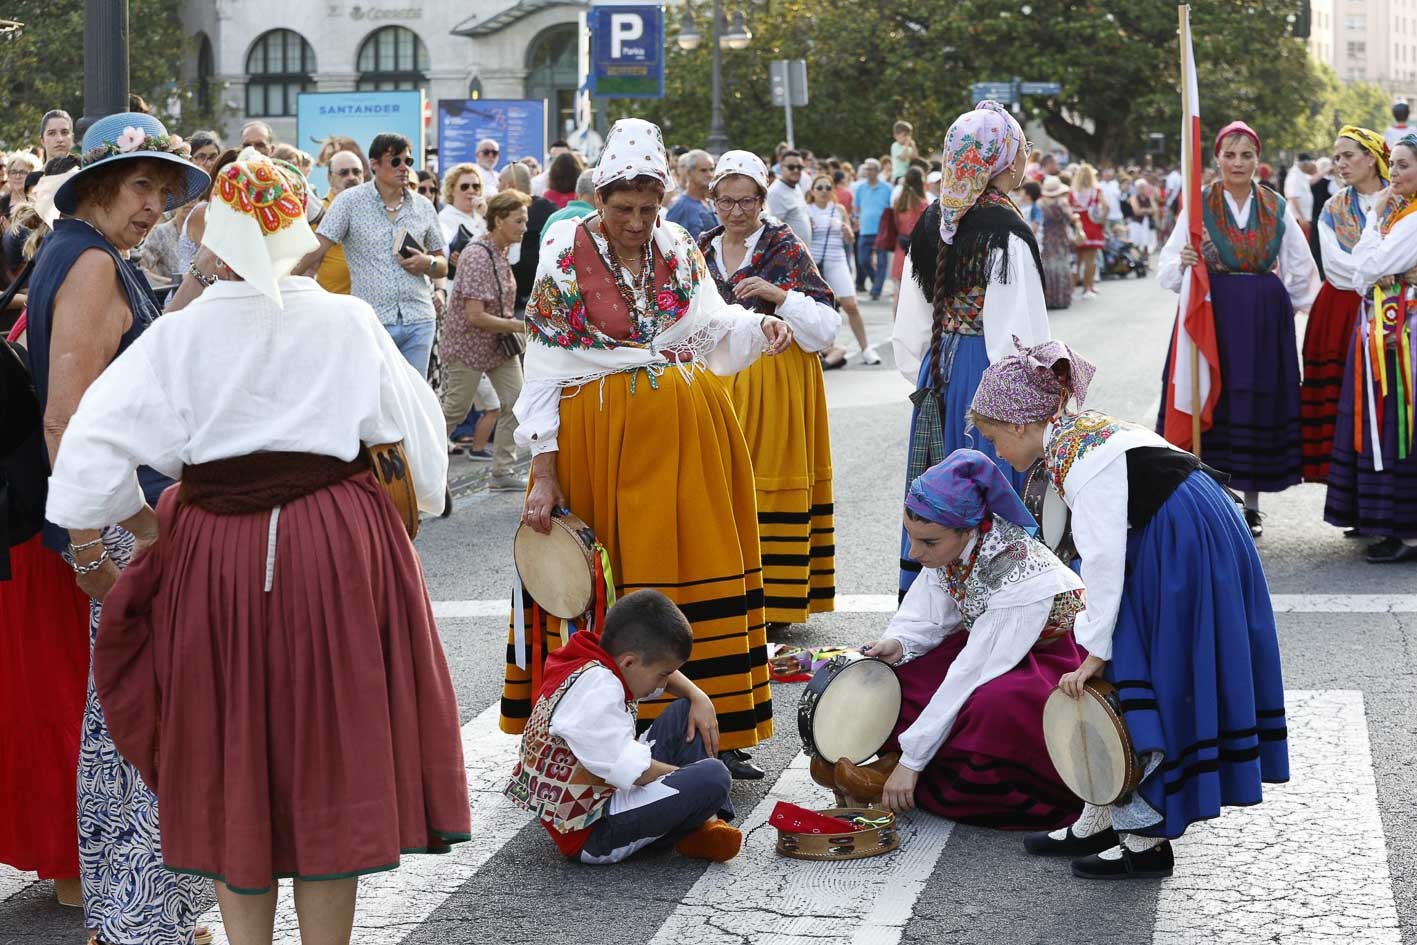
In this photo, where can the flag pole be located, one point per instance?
(1183, 12)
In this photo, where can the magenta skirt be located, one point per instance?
(993, 770)
(308, 731)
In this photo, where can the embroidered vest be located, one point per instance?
(605, 306)
(548, 780)
(1005, 554)
(964, 313)
(1073, 437)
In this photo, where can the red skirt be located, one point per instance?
(993, 770)
(44, 670)
(310, 731)
(1325, 347)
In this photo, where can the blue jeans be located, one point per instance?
(871, 263)
(414, 341)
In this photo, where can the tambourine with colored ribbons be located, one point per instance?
(567, 575)
(1386, 324)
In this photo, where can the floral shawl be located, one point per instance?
(779, 257)
(1253, 249)
(1344, 215)
(566, 348)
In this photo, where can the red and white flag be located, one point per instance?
(1193, 380)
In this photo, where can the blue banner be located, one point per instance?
(627, 51)
(357, 115)
(517, 125)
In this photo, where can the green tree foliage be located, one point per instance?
(871, 62)
(44, 66)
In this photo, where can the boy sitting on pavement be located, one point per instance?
(602, 794)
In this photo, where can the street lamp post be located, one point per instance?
(736, 36)
(105, 60)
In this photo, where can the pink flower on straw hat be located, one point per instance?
(131, 139)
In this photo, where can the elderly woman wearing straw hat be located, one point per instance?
(973, 281)
(87, 305)
(628, 433)
(1261, 273)
(279, 616)
(1361, 159)
(781, 402)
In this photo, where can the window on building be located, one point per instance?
(1356, 23)
(1357, 50)
(206, 67)
(279, 67)
(392, 58)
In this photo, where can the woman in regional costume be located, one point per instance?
(978, 641)
(781, 402)
(270, 664)
(1372, 482)
(972, 281)
(1261, 273)
(1178, 613)
(87, 305)
(1361, 158)
(628, 432)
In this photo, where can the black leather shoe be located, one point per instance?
(447, 502)
(1255, 521)
(1043, 844)
(1155, 863)
(1352, 533)
(740, 765)
(1391, 551)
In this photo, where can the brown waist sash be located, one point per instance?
(258, 482)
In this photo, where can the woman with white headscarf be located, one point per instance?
(781, 403)
(973, 280)
(270, 663)
(627, 432)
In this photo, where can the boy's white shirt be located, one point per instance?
(593, 720)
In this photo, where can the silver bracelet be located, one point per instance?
(205, 280)
(92, 566)
(75, 549)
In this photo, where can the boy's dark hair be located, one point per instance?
(649, 625)
(388, 143)
(790, 152)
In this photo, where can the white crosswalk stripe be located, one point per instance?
(1308, 866)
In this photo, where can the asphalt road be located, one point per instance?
(1329, 858)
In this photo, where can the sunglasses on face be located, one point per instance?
(793, 167)
(492, 152)
(468, 185)
(427, 189)
(349, 172)
(405, 161)
(822, 189)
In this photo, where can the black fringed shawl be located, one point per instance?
(986, 227)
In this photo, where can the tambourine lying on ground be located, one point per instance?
(875, 834)
(1089, 744)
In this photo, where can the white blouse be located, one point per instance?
(1011, 308)
(1295, 264)
(1378, 258)
(592, 718)
(1339, 268)
(233, 374)
(1000, 638)
(814, 324)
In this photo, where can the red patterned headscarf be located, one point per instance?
(1237, 128)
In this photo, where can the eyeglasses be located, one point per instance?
(821, 189)
(349, 172)
(725, 205)
(405, 161)
(20, 173)
(468, 185)
(492, 152)
(793, 167)
(427, 189)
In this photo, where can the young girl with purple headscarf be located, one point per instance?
(978, 642)
(1178, 612)
(973, 280)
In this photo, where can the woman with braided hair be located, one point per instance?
(972, 280)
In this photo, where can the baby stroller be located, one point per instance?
(1121, 257)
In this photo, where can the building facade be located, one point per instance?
(1373, 41)
(253, 57)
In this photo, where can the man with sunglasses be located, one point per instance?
(346, 170)
(785, 200)
(367, 220)
(488, 153)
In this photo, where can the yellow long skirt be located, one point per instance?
(781, 403)
(663, 477)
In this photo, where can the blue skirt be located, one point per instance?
(971, 359)
(1195, 658)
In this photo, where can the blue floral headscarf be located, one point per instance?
(964, 490)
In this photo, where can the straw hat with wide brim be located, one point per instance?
(124, 137)
(1054, 187)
